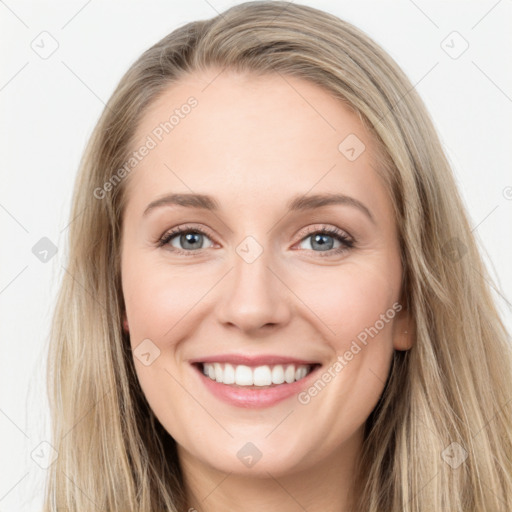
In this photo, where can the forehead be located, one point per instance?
(224, 133)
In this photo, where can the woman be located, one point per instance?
(273, 298)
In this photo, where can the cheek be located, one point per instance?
(355, 317)
(345, 305)
(159, 304)
(352, 301)
(355, 310)
(159, 297)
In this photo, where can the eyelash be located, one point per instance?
(346, 241)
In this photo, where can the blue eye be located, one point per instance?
(325, 239)
(191, 240)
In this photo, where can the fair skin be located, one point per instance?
(253, 144)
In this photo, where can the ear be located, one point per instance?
(404, 331)
(125, 323)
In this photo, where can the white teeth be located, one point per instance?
(262, 376)
(229, 374)
(289, 374)
(278, 374)
(243, 375)
(300, 372)
(218, 372)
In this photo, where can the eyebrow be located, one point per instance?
(298, 203)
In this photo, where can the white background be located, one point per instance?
(49, 107)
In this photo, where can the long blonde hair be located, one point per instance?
(445, 399)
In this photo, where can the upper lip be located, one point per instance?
(253, 360)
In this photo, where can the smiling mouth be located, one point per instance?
(257, 377)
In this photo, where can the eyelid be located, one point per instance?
(346, 240)
(343, 237)
(180, 229)
(317, 228)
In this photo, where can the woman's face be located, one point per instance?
(284, 284)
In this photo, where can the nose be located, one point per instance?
(254, 296)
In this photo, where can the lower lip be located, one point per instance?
(251, 397)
